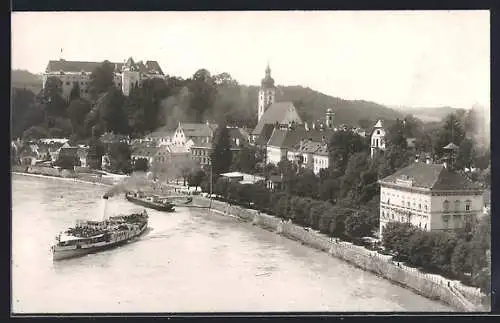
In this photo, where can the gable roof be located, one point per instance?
(277, 112)
(162, 132)
(265, 134)
(290, 138)
(431, 176)
(196, 129)
(145, 151)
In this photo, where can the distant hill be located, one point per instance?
(25, 79)
(312, 105)
(428, 114)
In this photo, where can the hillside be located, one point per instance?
(25, 79)
(428, 114)
(312, 105)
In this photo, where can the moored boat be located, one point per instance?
(153, 202)
(92, 236)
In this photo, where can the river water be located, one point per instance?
(189, 261)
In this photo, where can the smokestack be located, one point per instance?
(105, 207)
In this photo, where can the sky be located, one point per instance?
(404, 58)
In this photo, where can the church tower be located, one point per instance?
(267, 93)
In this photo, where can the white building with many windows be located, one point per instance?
(431, 197)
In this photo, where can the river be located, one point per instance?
(189, 261)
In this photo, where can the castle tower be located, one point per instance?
(130, 76)
(377, 139)
(267, 93)
(329, 118)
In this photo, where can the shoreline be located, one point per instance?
(69, 179)
(424, 285)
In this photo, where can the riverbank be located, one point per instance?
(431, 286)
(79, 178)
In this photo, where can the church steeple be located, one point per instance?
(266, 93)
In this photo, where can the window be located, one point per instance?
(408, 204)
(420, 206)
(376, 140)
(446, 206)
(388, 201)
(67, 83)
(378, 132)
(467, 205)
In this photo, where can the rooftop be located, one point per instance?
(278, 112)
(55, 66)
(430, 176)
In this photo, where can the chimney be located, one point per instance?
(306, 126)
(105, 207)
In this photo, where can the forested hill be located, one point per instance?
(159, 103)
(431, 114)
(25, 79)
(311, 105)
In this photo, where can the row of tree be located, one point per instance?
(456, 255)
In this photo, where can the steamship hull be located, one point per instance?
(169, 207)
(67, 252)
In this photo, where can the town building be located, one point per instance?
(311, 155)
(160, 137)
(199, 133)
(242, 178)
(201, 151)
(432, 197)
(377, 138)
(161, 159)
(72, 73)
(270, 111)
(287, 139)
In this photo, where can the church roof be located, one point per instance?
(276, 112)
(431, 176)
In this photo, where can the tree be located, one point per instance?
(221, 155)
(101, 79)
(357, 225)
(35, 132)
(245, 160)
(451, 131)
(460, 259)
(111, 112)
(203, 90)
(466, 154)
(306, 184)
(196, 177)
(75, 92)
(22, 103)
(52, 98)
(141, 165)
(342, 145)
(119, 154)
(77, 111)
